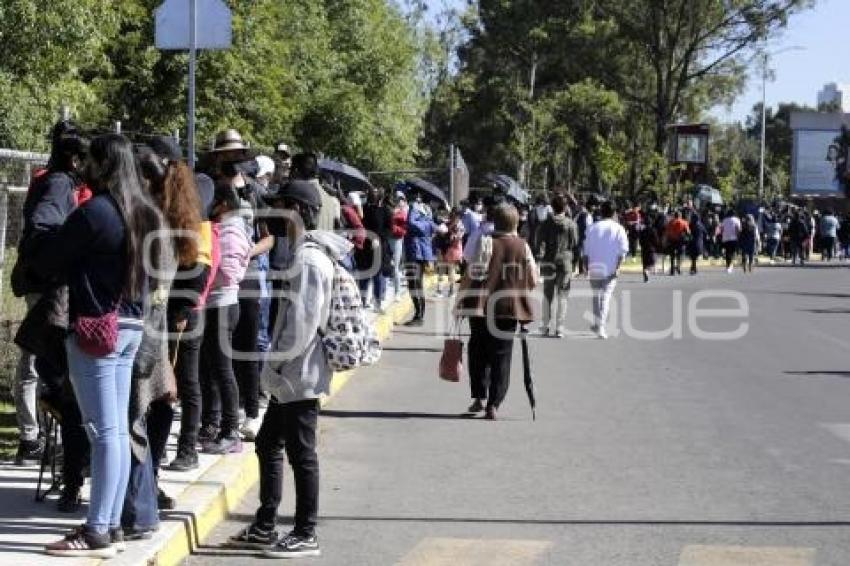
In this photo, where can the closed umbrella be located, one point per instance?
(351, 178)
(527, 378)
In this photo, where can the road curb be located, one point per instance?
(214, 495)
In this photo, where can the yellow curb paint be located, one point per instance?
(475, 552)
(703, 555)
(238, 474)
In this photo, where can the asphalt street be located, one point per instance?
(647, 450)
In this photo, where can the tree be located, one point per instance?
(693, 47)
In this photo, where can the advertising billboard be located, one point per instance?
(820, 157)
(818, 164)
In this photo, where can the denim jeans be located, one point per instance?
(102, 387)
(397, 247)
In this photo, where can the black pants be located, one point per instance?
(218, 382)
(490, 359)
(415, 273)
(675, 259)
(245, 343)
(76, 449)
(188, 351)
(729, 248)
(290, 427)
(159, 419)
(827, 247)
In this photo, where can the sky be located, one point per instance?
(799, 74)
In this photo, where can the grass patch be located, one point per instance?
(12, 311)
(8, 432)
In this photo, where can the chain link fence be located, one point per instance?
(16, 171)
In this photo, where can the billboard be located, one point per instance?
(820, 156)
(815, 171)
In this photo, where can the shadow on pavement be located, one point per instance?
(393, 415)
(825, 311)
(834, 373)
(576, 522)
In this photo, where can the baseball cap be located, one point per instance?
(303, 192)
(166, 147)
(283, 147)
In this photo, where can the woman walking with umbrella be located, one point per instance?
(497, 299)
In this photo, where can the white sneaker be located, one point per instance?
(250, 428)
(729, 269)
(600, 332)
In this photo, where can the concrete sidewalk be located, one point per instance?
(204, 498)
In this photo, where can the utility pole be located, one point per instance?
(763, 125)
(193, 63)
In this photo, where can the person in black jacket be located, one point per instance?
(51, 198)
(373, 260)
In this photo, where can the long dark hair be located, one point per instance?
(113, 170)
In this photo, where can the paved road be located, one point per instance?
(669, 452)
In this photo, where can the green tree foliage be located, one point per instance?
(338, 76)
(666, 61)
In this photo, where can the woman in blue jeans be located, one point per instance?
(99, 253)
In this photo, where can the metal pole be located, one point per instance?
(117, 126)
(451, 173)
(193, 55)
(763, 126)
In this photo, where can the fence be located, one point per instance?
(16, 170)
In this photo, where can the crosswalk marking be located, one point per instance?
(699, 555)
(478, 552)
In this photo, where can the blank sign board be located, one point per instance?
(214, 26)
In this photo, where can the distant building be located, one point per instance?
(835, 94)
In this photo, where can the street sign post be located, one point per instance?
(177, 25)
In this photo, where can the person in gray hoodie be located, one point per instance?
(558, 237)
(296, 375)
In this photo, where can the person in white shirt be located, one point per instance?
(730, 229)
(605, 246)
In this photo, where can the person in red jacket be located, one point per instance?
(398, 230)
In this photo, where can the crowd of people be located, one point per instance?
(153, 289)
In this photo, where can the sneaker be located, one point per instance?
(602, 334)
(29, 452)
(186, 459)
(729, 269)
(224, 444)
(416, 321)
(559, 334)
(254, 537)
(294, 546)
(70, 500)
(83, 543)
(139, 534)
(250, 428)
(476, 407)
(208, 433)
(164, 501)
(490, 413)
(116, 537)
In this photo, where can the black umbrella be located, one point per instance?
(526, 366)
(508, 185)
(350, 178)
(430, 189)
